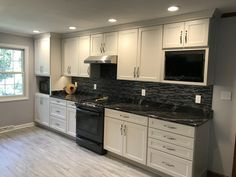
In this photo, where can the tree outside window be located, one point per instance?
(11, 72)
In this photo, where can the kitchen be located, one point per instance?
(153, 115)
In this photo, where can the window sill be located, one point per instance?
(9, 99)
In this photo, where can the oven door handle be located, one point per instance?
(87, 111)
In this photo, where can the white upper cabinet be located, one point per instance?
(196, 33)
(70, 57)
(150, 54)
(104, 44)
(186, 34)
(127, 54)
(173, 35)
(84, 52)
(42, 56)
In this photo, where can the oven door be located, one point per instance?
(89, 124)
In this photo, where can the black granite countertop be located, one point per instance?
(178, 114)
(182, 115)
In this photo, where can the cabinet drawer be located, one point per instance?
(126, 117)
(58, 101)
(71, 104)
(58, 124)
(172, 127)
(170, 148)
(169, 164)
(171, 138)
(58, 111)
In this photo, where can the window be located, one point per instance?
(12, 72)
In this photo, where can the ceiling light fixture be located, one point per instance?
(36, 31)
(112, 20)
(173, 8)
(72, 27)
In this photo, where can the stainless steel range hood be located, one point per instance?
(106, 59)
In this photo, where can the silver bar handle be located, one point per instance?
(103, 47)
(169, 138)
(181, 37)
(125, 130)
(168, 148)
(134, 72)
(138, 72)
(168, 164)
(124, 116)
(186, 36)
(170, 127)
(121, 129)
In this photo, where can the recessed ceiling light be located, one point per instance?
(112, 20)
(36, 31)
(72, 27)
(173, 8)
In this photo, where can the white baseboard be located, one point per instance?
(15, 127)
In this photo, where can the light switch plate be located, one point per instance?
(95, 86)
(226, 95)
(143, 92)
(198, 99)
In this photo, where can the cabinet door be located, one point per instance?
(135, 142)
(70, 57)
(110, 43)
(96, 44)
(113, 135)
(42, 109)
(150, 54)
(196, 33)
(42, 56)
(83, 52)
(127, 52)
(71, 121)
(173, 35)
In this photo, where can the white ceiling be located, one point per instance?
(23, 16)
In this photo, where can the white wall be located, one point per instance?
(18, 112)
(224, 123)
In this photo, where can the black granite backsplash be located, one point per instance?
(179, 95)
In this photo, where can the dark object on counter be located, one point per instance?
(90, 124)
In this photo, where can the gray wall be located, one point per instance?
(224, 122)
(18, 112)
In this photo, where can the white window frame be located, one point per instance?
(25, 96)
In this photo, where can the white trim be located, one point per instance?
(15, 127)
(26, 73)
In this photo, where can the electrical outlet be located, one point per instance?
(143, 92)
(225, 95)
(198, 99)
(76, 84)
(95, 86)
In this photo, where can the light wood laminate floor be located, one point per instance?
(35, 152)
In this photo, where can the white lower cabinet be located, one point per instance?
(124, 137)
(71, 121)
(42, 109)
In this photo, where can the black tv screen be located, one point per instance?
(185, 65)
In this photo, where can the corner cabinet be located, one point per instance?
(104, 44)
(140, 54)
(42, 56)
(75, 51)
(126, 135)
(42, 109)
(186, 34)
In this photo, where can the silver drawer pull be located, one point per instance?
(58, 111)
(168, 148)
(57, 124)
(58, 101)
(169, 138)
(170, 127)
(121, 129)
(167, 164)
(124, 116)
